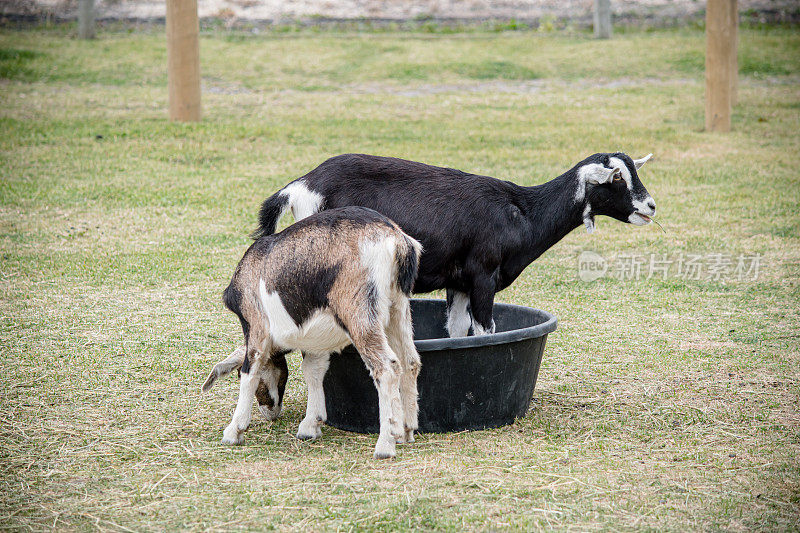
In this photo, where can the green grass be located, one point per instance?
(667, 404)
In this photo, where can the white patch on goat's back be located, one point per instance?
(458, 318)
(378, 257)
(278, 318)
(319, 333)
(303, 201)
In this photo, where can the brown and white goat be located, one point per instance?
(336, 278)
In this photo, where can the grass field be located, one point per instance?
(664, 402)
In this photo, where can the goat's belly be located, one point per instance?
(319, 334)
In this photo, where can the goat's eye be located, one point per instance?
(617, 178)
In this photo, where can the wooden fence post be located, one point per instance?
(183, 60)
(720, 45)
(735, 52)
(86, 19)
(602, 19)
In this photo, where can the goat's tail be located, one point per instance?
(232, 298)
(270, 213)
(407, 258)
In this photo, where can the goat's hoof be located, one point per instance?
(382, 456)
(270, 414)
(406, 438)
(396, 430)
(232, 436)
(309, 429)
(313, 434)
(384, 450)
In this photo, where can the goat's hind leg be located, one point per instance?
(481, 301)
(314, 368)
(459, 314)
(386, 371)
(401, 339)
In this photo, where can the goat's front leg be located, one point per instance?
(481, 300)
(314, 368)
(244, 407)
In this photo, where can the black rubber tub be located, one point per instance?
(465, 383)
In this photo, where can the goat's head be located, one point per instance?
(609, 184)
(271, 385)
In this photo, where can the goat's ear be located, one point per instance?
(598, 174)
(212, 377)
(639, 162)
(223, 368)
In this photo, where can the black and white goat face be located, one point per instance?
(610, 185)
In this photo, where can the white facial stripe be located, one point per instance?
(270, 376)
(616, 162)
(303, 201)
(640, 205)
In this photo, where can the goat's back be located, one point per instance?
(449, 211)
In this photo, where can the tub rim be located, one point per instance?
(504, 337)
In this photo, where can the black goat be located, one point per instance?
(478, 233)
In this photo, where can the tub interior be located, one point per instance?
(430, 318)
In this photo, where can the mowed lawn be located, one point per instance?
(668, 398)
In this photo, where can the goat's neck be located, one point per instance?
(552, 210)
